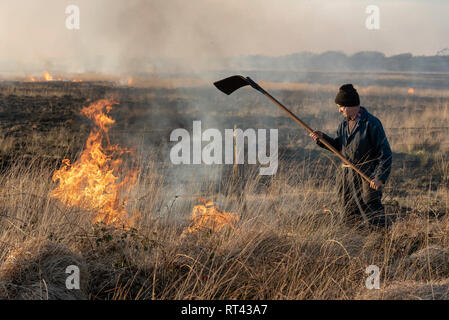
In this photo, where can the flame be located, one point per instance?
(93, 182)
(47, 76)
(130, 81)
(207, 216)
(411, 91)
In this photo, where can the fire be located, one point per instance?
(32, 79)
(93, 181)
(130, 81)
(47, 76)
(207, 216)
(411, 91)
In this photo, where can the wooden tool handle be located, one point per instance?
(323, 141)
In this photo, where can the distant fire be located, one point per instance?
(130, 81)
(93, 182)
(207, 216)
(411, 91)
(47, 76)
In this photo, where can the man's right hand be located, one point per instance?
(316, 135)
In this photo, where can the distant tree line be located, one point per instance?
(336, 60)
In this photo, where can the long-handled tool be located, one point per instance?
(231, 84)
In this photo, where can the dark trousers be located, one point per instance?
(359, 202)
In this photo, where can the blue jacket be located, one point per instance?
(366, 147)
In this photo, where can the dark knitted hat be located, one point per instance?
(347, 96)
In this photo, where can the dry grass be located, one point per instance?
(285, 247)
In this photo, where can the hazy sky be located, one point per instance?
(196, 31)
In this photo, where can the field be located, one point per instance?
(290, 241)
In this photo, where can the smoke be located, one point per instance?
(156, 35)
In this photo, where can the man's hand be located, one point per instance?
(316, 135)
(375, 184)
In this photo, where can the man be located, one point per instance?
(362, 140)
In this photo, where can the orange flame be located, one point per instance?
(47, 76)
(130, 81)
(92, 182)
(411, 91)
(207, 216)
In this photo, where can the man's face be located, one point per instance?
(348, 112)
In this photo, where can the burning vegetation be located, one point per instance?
(48, 77)
(207, 217)
(93, 181)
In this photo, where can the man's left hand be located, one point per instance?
(376, 184)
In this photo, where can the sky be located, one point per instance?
(199, 32)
